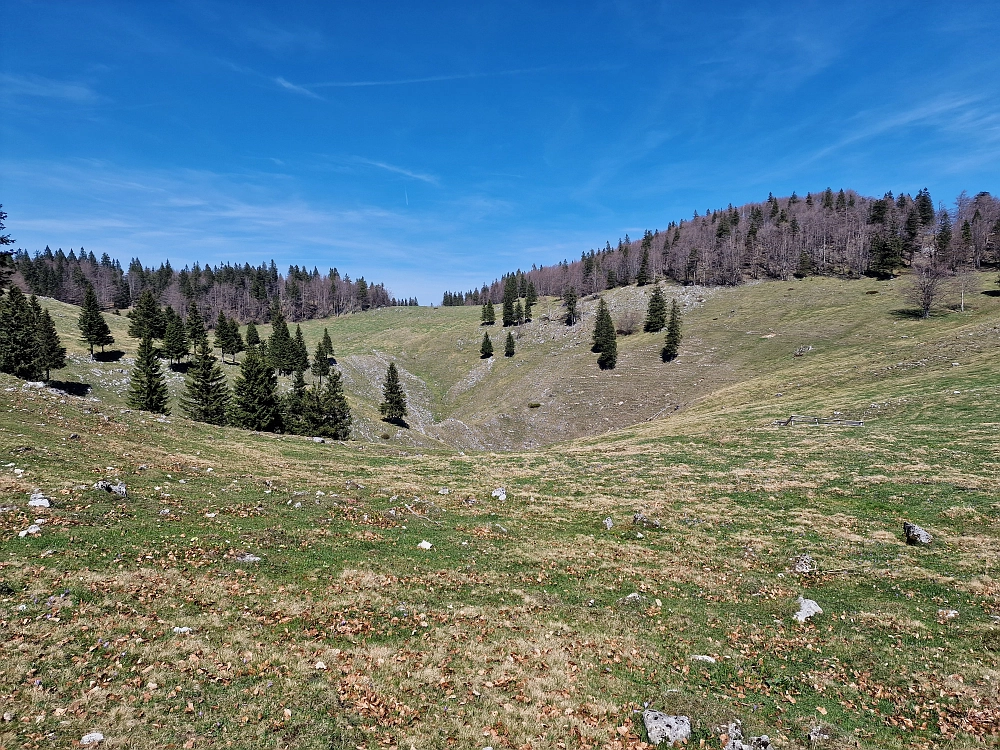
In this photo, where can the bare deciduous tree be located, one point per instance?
(927, 283)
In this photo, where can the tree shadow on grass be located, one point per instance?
(398, 422)
(111, 355)
(907, 313)
(181, 367)
(992, 292)
(72, 387)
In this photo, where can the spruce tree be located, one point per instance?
(321, 363)
(393, 406)
(18, 354)
(527, 310)
(486, 350)
(194, 327)
(570, 298)
(508, 348)
(327, 345)
(518, 313)
(206, 393)
(255, 395)
(147, 320)
(280, 349)
(531, 297)
(509, 296)
(147, 390)
(293, 407)
(301, 361)
(642, 278)
(605, 338)
(175, 343)
(253, 338)
(6, 264)
(223, 335)
(604, 328)
(673, 340)
(489, 314)
(93, 327)
(328, 414)
(656, 312)
(51, 352)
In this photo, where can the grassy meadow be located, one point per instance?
(511, 630)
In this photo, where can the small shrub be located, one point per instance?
(384, 436)
(534, 405)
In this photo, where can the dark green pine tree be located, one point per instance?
(51, 352)
(508, 347)
(656, 312)
(253, 338)
(147, 390)
(93, 327)
(301, 363)
(393, 406)
(175, 343)
(321, 363)
(280, 349)
(223, 335)
(570, 298)
(489, 316)
(327, 345)
(530, 299)
(518, 313)
(206, 393)
(329, 415)
(642, 278)
(256, 405)
(147, 320)
(194, 327)
(18, 355)
(293, 407)
(673, 340)
(509, 297)
(486, 350)
(605, 338)
(6, 262)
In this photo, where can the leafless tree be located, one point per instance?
(927, 283)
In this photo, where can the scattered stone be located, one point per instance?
(915, 535)
(37, 386)
(318, 440)
(804, 564)
(632, 600)
(663, 728)
(947, 614)
(74, 436)
(608, 523)
(92, 738)
(8, 716)
(443, 491)
(499, 493)
(165, 512)
(639, 535)
(182, 631)
(641, 519)
(425, 544)
(118, 487)
(33, 529)
(246, 557)
(211, 515)
(736, 741)
(38, 500)
(807, 608)
(817, 735)
(704, 658)
(320, 665)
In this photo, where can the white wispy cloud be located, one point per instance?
(296, 88)
(423, 177)
(12, 85)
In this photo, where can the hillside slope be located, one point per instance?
(738, 355)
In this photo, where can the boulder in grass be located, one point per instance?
(807, 608)
(737, 742)
(663, 728)
(38, 500)
(92, 738)
(915, 535)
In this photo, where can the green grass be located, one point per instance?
(507, 632)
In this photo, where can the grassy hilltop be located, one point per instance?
(510, 630)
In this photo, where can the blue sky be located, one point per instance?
(434, 146)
